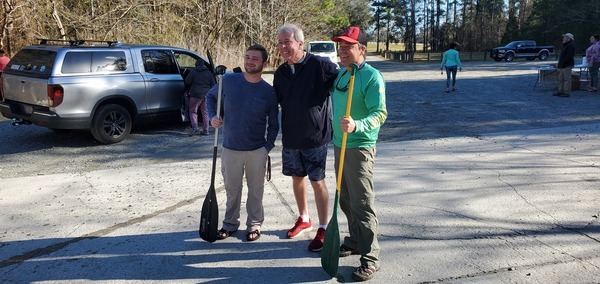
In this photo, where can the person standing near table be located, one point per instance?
(250, 125)
(302, 84)
(566, 61)
(592, 55)
(367, 113)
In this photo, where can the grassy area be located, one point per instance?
(372, 46)
(428, 57)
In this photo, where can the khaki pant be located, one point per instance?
(234, 164)
(357, 201)
(564, 80)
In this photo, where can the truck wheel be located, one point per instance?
(509, 57)
(497, 59)
(543, 55)
(111, 124)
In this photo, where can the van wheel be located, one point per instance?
(111, 124)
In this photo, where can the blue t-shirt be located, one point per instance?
(249, 109)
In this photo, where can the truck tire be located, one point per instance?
(111, 124)
(509, 57)
(543, 55)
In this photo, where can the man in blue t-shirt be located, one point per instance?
(249, 111)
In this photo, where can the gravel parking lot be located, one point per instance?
(491, 97)
(479, 185)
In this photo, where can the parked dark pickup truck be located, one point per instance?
(522, 48)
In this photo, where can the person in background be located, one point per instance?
(565, 64)
(367, 113)
(199, 81)
(250, 113)
(592, 55)
(3, 60)
(302, 84)
(451, 61)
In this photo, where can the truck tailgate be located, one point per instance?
(27, 90)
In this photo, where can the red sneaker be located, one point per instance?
(317, 242)
(299, 228)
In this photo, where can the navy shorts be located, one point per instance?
(303, 162)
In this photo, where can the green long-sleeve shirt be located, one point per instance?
(368, 107)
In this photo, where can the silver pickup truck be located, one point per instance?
(104, 88)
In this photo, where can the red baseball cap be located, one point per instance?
(352, 35)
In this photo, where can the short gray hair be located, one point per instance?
(294, 30)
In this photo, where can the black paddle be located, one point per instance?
(330, 255)
(209, 218)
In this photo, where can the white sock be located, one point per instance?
(322, 226)
(305, 218)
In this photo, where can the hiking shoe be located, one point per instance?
(317, 242)
(299, 228)
(564, 95)
(194, 131)
(364, 272)
(557, 94)
(347, 251)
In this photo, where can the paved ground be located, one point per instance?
(495, 183)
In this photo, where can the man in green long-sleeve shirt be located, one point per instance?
(367, 114)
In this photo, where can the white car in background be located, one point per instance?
(325, 49)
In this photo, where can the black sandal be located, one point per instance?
(256, 234)
(223, 234)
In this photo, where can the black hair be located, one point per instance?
(597, 37)
(262, 49)
(453, 45)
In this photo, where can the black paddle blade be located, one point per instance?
(330, 255)
(209, 217)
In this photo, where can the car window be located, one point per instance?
(110, 61)
(159, 62)
(77, 62)
(32, 62)
(94, 62)
(322, 47)
(185, 60)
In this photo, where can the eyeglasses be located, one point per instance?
(345, 88)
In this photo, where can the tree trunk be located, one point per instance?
(61, 28)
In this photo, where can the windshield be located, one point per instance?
(322, 47)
